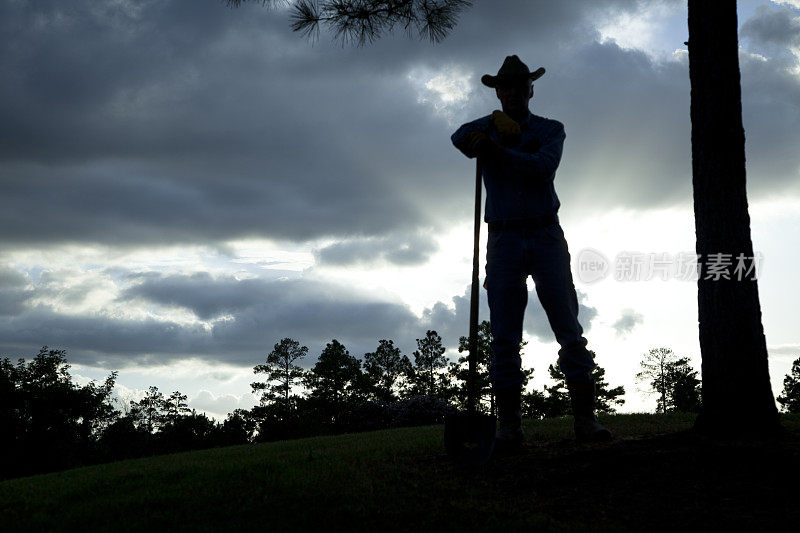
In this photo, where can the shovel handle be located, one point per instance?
(472, 382)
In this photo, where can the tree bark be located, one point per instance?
(737, 396)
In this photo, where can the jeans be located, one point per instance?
(511, 256)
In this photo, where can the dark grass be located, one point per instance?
(655, 475)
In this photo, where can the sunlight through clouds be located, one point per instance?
(447, 91)
(649, 28)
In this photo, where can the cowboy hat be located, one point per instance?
(513, 69)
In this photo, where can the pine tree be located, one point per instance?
(672, 378)
(556, 400)
(608, 399)
(148, 413)
(686, 387)
(282, 373)
(175, 406)
(556, 396)
(655, 372)
(534, 404)
(384, 368)
(428, 360)
(460, 371)
(790, 398)
(736, 383)
(336, 377)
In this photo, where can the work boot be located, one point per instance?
(509, 420)
(587, 428)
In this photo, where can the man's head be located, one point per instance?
(513, 85)
(514, 96)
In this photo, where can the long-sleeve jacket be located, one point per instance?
(519, 182)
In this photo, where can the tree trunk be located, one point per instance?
(737, 397)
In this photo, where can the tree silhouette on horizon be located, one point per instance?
(460, 373)
(384, 368)
(790, 397)
(429, 358)
(282, 372)
(336, 377)
(672, 378)
(175, 406)
(555, 400)
(148, 413)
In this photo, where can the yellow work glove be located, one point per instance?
(478, 143)
(507, 128)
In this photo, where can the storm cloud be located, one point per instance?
(238, 320)
(399, 250)
(627, 321)
(134, 123)
(14, 291)
(773, 25)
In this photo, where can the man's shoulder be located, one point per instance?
(546, 123)
(481, 120)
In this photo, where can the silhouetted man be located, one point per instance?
(520, 153)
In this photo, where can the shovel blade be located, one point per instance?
(469, 437)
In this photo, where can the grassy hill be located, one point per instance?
(653, 476)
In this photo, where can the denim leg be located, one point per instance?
(508, 296)
(549, 261)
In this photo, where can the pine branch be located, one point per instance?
(364, 21)
(237, 3)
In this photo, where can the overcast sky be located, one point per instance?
(182, 184)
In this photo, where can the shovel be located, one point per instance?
(469, 435)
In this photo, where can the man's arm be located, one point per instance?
(541, 164)
(459, 138)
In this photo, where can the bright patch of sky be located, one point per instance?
(446, 90)
(793, 3)
(213, 390)
(791, 52)
(669, 308)
(661, 30)
(658, 30)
